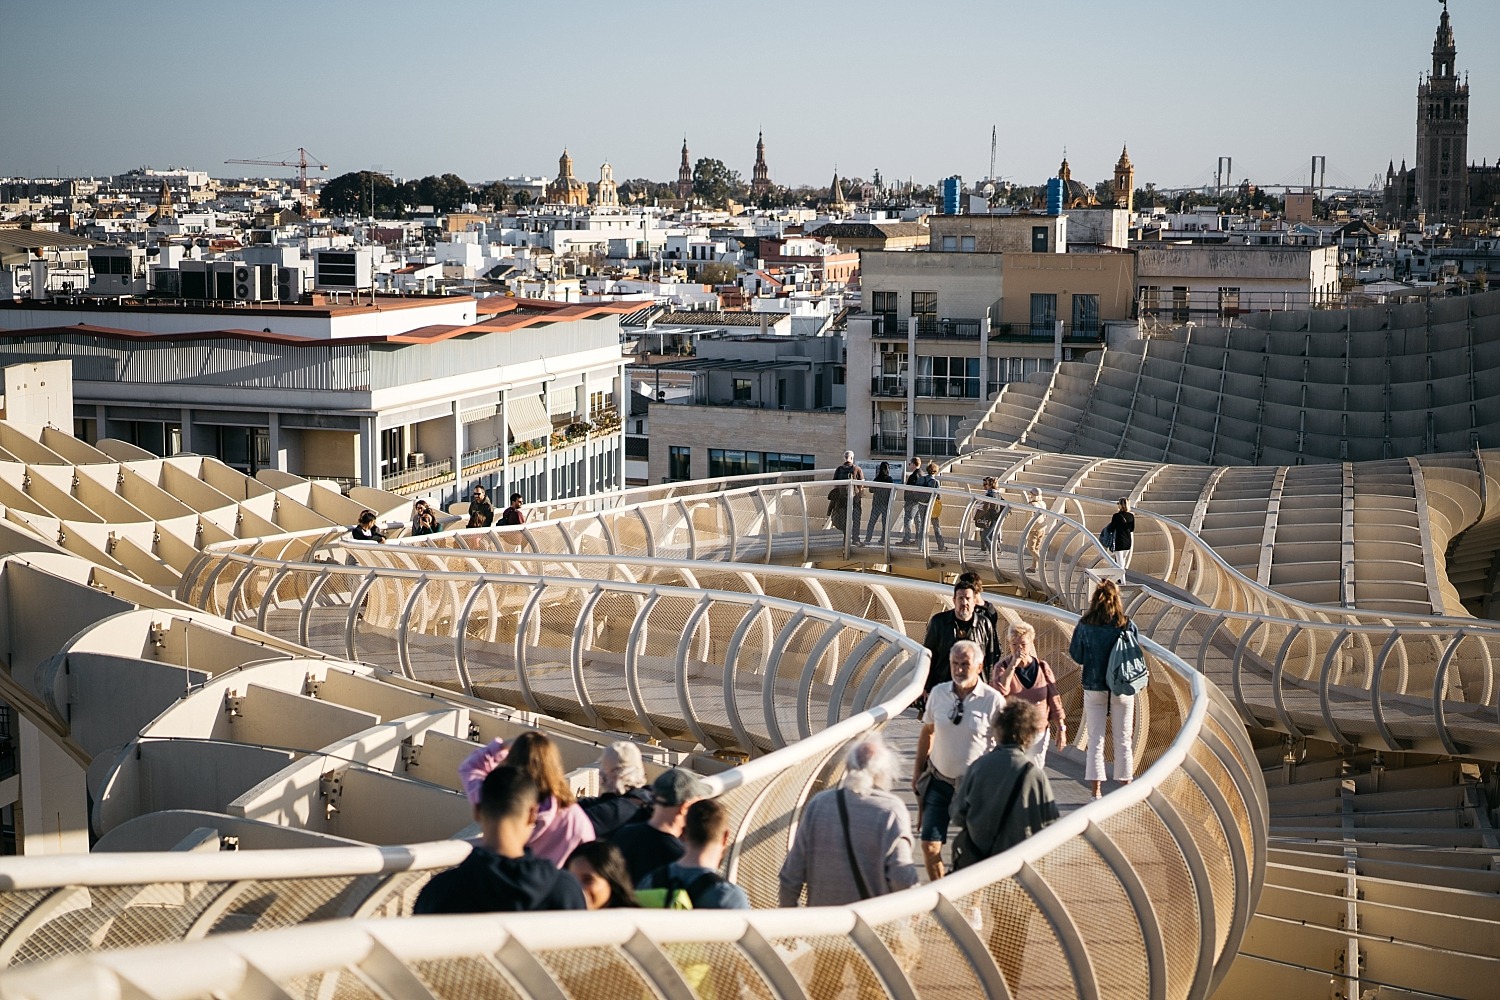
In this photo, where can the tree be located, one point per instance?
(715, 184)
(495, 195)
(717, 272)
(362, 192)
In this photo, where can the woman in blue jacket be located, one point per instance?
(1093, 638)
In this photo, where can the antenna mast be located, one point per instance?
(992, 152)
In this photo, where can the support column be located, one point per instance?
(52, 814)
(911, 389)
(185, 433)
(273, 431)
(368, 452)
(458, 449)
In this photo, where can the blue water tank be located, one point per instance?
(1054, 196)
(953, 189)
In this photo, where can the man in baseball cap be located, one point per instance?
(650, 845)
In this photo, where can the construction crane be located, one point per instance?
(302, 162)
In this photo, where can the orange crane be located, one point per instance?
(302, 162)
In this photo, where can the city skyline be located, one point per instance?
(479, 93)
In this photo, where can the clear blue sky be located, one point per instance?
(486, 89)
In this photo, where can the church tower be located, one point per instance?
(760, 177)
(685, 174)
(1125, 182)
(836, 193)
(1443, 132)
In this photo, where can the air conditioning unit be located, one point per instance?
(246, 283)
(288, 284)
(415, 459)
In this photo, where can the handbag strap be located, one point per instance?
(859, 878)
(1010, 804)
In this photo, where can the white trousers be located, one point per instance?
(1096, 704)
(1122, 557)
(1037, 752)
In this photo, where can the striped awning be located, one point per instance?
(527, 418)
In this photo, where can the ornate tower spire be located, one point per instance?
(836, 191)
(685, 174)
(760, 177)
(1443, 131)
(1125, 182)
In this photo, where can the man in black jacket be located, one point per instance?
(501, 875)
(969, 618)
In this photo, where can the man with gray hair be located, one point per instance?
(843, 499)
(854, 841)
(955, 733)
(622, 781)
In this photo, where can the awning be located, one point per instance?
(527, 418)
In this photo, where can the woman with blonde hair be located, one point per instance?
(1022, 675)
(560, 824)
(1093, 639)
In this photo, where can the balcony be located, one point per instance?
(936, 447)
(932, 328)
(888, 443)
(418, 477)
(1092, 333)
(948, 387)
(888, 385)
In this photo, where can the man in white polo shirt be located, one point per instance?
(956, 731)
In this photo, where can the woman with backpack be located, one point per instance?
(1093, 640)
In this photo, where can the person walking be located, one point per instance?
(854, 841)
(624, 795)
(1004, 796)
(1021, 675)
(987, 514)
(880, 504)
(969, 618)
(956, 731)
(481, 511)
(500, 874)
(600, 870)
(705, 835)
(844, 499)
(1038, 529)
(930, 481)
(1093, 639)
(560, 824)
(513, 514)
(649, 845)
(1123, 525)
(911, 501)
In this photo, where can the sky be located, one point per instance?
(490, 88)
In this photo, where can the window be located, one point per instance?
(392, 450)
(883, 304)
(1038, 239)
(948, 377)
(724, 462)
(1150, 298)
(1043, 314)
(1179, 304)
(742, 388)
(679, 463)
(934, 432)
(950, 243)
(1086, 315)
(1229, 301)
(924, 308)
(967, 244)
(778, 461)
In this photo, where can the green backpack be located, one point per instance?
(666, 893)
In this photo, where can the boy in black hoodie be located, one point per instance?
(501, 875)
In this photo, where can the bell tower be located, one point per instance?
(685, 174)
(1443, 131)
(1125, 182)
(760, 177)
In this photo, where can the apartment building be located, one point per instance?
(422, 396)
(1213, 283)
(993, 301)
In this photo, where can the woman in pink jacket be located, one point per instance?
(560, 824)
(1024, 675)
